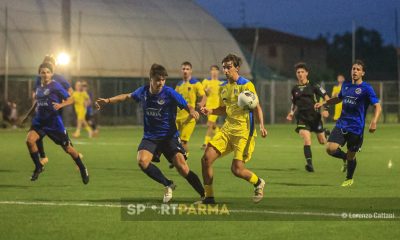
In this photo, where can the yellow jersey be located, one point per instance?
(338, 107)
(189, 90)
(80, 99)
(238, 122)
(211, 87)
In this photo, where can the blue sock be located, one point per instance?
(35, 159)
(39, 144)
(194, 180)
(79, 163)
(155, 173)
(339, 154)
(351, 167)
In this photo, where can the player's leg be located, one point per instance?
(305, 134)
(335, 140)
(186, 133)
(211, 153)
(42, 154)
(211, 127)
(31, 139)
(78, 113)
(354, 143)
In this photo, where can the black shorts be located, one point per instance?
(354, 141)
(310, 121)
(169, 147)
(58, 137)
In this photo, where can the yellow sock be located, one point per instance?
(206, 140)
(208, 191)
(253, 179)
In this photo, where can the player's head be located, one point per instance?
(357, 70)
(49, 59)
(85, 86)
(231, 65)
(214, 71)
(301, 71)
(158, 75)
(46, 71)
(340, 78)
(186, 69)
(78, 86)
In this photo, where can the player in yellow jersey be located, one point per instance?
(237, 135)
(81, 101)
(190, 88)
(335, 92)
(211, 87)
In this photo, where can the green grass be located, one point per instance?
(115, 175)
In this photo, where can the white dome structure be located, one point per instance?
(119, 38)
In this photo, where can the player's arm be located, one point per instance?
(331, 101)
(30, 111)
(203, 101)
(325, 112)
(260, 117)
(375, 118)
(201, 93)
(112, 100)
(292, 109)
(68, 101)
(221, 110)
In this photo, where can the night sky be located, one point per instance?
(308, 18)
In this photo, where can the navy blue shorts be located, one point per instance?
(58, 137)
(354, 141)
(168, 147)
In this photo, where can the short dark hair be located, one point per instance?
(46, 65)
(359, 62)
(49, 59)
(237, 61)
(302, 65)
(158, 70)
(214, 66)
(186, 63)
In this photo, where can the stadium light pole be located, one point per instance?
(353, 42)
(396, 31)
(6, 56)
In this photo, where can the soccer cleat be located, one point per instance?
(259, 191)
(44, 161)
(208, 200)
(168, 192)
(36, 173)
(309, 168)
(85, 176)
(347, 183)
(344, 167)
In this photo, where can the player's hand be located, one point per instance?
(263, 131)
(289, 117)
(318, 105)
(194, 114)
(205, 111)
(57, 106)
(325, 114)
(372, 127)
(100, 102)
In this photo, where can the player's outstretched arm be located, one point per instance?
(30, 111)
(325, 112)
(65, 103)
(260, 117)
(331, 101)
(193, 113)
(116, 99)
(375, 119)
(203, 101)
(221, 110)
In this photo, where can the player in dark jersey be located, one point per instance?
(304, 97)
(159, 105)
(356, 96)
(50, 96)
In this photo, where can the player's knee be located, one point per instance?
(143, 164)
(236, 170)
(330, 149)
(206, 160)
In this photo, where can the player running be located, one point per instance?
(160, 103)
(50, 96)
(304, 97)
(356, 96)
(237, 135)
(211, 87)
(81, 101)
(335, 92)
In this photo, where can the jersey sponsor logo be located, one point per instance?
(350, 100)
(322, 90)
(42, 103)
(161, 101)
(46, 92)
(153, 112)
(358, 91)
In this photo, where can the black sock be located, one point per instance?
(194, 180)
(79, 163)
(308, 154)
(351, 166)
(39, 144)
(339, 154)
(35, 159)
(155, 173)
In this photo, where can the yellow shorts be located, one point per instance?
(212, 118)
(80, 113)
(240, 146)
(185, 128)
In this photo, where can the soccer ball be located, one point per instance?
(247, 100)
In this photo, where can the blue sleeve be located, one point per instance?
(136, 94)
(178, 99)
(63, 93)
(373, 99)
(61, 80)
(340, 95)
(38, 80)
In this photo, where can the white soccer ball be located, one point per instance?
(247, 100)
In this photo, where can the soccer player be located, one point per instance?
(211, 87)
(190, 88)
(304, 97)
(65, 84)
(81, 101)
(50, 96)
(90, 113)
(237, 135)
(160, 103)
(356, 95)
(335, 92)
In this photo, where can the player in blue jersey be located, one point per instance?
(159, 105)
(50, 96)
(65, 84)
(356, 96)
